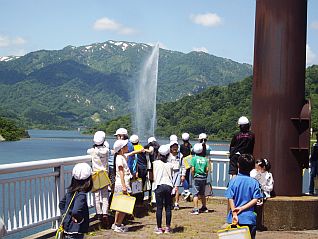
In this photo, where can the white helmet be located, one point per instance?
(185, 136)
(134, 139)
(243, 120)
(122, 131)
(151, 139)
(203, 136)
(173, 142)
(164, 149)
(173, 137)
(197, 148)
(119, 144)
(99, 137)
(81, 171)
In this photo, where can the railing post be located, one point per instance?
(59, 190)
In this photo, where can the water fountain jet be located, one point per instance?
(145, 97)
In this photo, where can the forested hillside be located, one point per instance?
(214, 111)
(81, 86)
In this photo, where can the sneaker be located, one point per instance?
(114, 226)
(310, 194)
(168, 230)
(158, 230)
(176, 207)
(203, 209)
(120, 229)
(195, 211)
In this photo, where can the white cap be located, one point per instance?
(151, 139)
(106, 144)
(197, 148)
(202, 136)
(185, 136)
(99, 137)
(122, 131)
(243, 120)
(164, 149)
(173, 137)
(134, 139)
(173, 142)
(81, 171)
(119, 144)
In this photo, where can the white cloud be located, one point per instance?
(310, 55)
(6, 41)
(106, 24)
(203, 49)
(207, 19)
(314, 25)
(18, 41)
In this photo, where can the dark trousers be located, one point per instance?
(313, 173)
(233, 170)
(163, 197)
(142, 173)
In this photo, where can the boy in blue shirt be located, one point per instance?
(243, 193)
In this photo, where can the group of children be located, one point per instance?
(166, 168)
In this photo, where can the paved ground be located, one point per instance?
(185, 225)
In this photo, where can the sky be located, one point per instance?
(224, 28)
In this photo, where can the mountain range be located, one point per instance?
(79, 86)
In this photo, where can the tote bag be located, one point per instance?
(100, 180)
(187, 161)
(123, 203)
(234, 232)
(136, 186)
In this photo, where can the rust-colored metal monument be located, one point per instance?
(281, 115)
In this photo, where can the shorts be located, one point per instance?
(199, 186)
(176, 179)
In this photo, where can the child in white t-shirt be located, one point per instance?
(100, 154)
(263, 176)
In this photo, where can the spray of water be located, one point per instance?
(145, 98)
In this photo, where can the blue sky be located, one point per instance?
(223, 28)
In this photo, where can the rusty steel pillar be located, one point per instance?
(280, 115)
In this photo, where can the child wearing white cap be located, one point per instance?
(100, 154)
(199, 170)
(122, 180)
(162, 186)
(76, 221)
(175, 157)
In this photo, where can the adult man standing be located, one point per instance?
(242, 143)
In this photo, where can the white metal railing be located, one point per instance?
(30, 191)
(219, 167)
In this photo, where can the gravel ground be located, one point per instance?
(185, 225)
